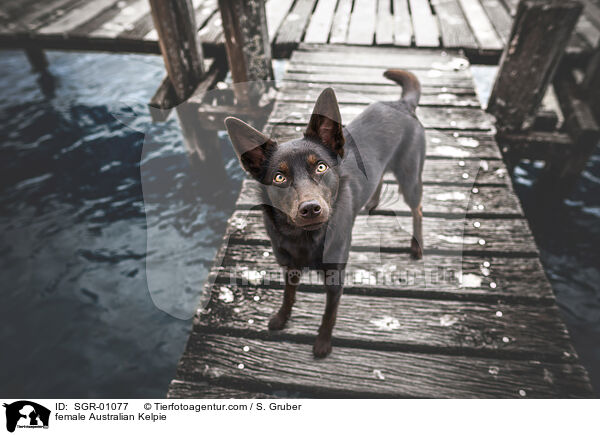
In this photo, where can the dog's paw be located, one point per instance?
(415, 249)
(322, 347)
(277, 322)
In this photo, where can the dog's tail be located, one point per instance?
(411, 88)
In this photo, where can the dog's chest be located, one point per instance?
(303, 251)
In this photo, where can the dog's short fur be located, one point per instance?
(314, 187)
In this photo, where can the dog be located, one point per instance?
(314, 187)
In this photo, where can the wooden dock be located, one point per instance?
(476, 318)
(479, 27)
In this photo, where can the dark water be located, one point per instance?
(78, 314)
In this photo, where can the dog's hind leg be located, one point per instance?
(412, 197)
(411, 188)
(374, 201)
(280, 318)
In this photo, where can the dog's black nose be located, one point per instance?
(309, 209)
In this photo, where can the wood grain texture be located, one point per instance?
(455, 118)
(320, 22)
(533, 59)
(438, 201)
(399, 324)
(499, 17)
(270, 366)
(303, 92)
(402, 24)
(276, 12)
(440, 143)
(76, 17)
(425, 26)
(448, 277)
(292, 29)
(362, 22)
(393, 234)
(384, 29)
(341, 21)
(454, 28)
(204, 390)
(480, 24)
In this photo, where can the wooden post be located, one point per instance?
(563, 169)
(591, 84)
(37, 59)
(175, 23)
(248, 48)
(539, 36)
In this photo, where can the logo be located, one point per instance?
(26, 414)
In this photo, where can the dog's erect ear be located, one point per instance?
(326, 122)
(251, 146)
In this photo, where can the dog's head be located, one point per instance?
(300, 176)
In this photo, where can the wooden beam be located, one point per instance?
(591, 84)
(539, 36)
(37, 59)
(562, 172)
(175, 24)
(248, 48)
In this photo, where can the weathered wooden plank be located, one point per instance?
(105, 18)
(248, 49)
(448, 277)
(76, 17)
(430, 52)
(384, 30)
(294, 91)
(499, 17)
(380, 59)
(533, 58)
(458, 118)
(320, 22)
(434, 76)
(341, 21)
(203, 390)
(292, 29)
(139, 28)
(402, 24)
(43, 13)
(393, 234)
(276, 12)
(275, 365)
(212, 31)
(399, 324)
(457, 201)
(425, 26)
(482, 27)
(183, 61)
(391, 89)
(454, 144)
(427, 79)
(453, 25)
(362, 22)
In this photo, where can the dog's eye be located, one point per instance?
(321, 167)
(279, 178)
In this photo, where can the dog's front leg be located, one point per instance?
(280, 318)
(322, 346)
